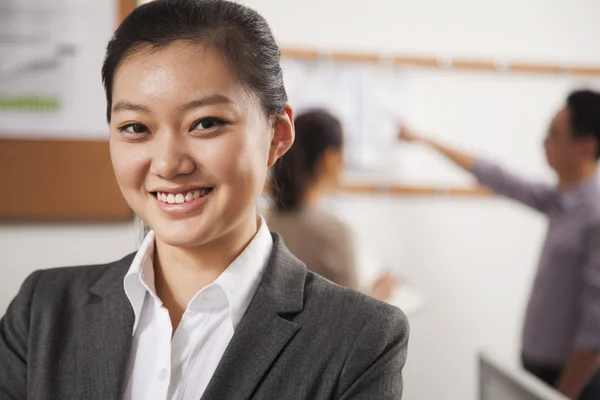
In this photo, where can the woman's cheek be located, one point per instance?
(129, 164)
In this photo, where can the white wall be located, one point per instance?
(472, 259)
(473, 262)
(25, 248)
(555, 30)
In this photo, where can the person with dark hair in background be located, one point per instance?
(212, 305)
(561, 336)
(299, 181)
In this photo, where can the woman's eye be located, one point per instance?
(135, 129)
(208, 123)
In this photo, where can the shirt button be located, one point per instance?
(162, 375)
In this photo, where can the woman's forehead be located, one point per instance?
(175, 71)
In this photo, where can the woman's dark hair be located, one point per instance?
(584, 109)
(316, 132)
(238, 33)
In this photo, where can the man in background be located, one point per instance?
(561, 335)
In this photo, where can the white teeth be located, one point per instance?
(180, 198)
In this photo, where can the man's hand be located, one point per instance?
(581, 366)
(463, 160)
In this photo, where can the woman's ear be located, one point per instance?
(283, 135)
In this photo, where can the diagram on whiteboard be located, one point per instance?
(501, 116)
(49, 69)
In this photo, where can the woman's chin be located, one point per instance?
(180, 239)
(182, 235)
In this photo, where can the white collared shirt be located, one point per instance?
(179, 366)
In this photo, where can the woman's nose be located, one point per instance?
(171, 157)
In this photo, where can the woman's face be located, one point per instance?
(190, 145)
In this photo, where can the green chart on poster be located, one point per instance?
(50, 86)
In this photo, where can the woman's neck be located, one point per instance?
(315, 193)
(181, 272)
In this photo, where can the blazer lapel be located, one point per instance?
(263, 332)
(105, 335)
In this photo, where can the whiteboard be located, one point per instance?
(52, 53)
(500, 116)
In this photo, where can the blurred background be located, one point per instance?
(441, 65)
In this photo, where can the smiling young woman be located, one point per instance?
(212, 305)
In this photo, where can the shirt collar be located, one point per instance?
(139, 279)
(238, 282)
(241, 279)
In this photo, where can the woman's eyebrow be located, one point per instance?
(123, 105)
(214, 99)
(206, 101)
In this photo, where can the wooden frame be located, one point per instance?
(441, 63)
(125, 8)
(420, 191)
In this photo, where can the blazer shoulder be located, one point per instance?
(354, 308)
(74, 281)
(370, 339)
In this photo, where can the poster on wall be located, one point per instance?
(51, 56)
(368, 100)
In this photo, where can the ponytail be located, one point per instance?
(289, 180)
(316, 132)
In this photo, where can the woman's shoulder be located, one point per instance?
(331, 220)
(343, 307)
(317, 220)
(71, 282)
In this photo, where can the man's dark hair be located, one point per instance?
(238, 33)
(584, 110)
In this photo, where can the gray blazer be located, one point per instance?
(68, 333)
